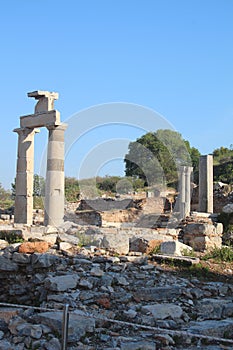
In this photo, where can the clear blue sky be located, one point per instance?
(172, 56)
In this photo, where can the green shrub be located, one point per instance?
(11, 237)
(220, 254)
(84, 239)
(187, 252)
(38, 202)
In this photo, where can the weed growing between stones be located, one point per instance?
(198, 270)
(11, 237)
(84, 240)
(154, 250)
(190, 253)
(220, 254)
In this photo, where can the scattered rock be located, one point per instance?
(162, 311)
(61, 283)
(34, 247)
(117, 242)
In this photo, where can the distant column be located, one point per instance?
(182, 191)
(185, 190)
(188, 172)
(206, 184)
(54, 192)
(24, 176)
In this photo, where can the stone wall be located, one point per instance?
(127, 215)
(202, 232)
(105, 204)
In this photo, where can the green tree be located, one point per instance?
(124, 186)
(72, 190)
(107, 183)
(5, 198)
(38, 186)
(222, 155)
(156, 156)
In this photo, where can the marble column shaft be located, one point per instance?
(185, 190)
(54, 192)
(24, 176)
(206, 184)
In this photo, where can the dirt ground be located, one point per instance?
(206, 270)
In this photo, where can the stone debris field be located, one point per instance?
(118, 301)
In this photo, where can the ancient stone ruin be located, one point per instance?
(99, 260)
(44, 116)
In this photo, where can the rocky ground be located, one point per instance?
(121, 302)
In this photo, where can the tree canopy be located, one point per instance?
(156, 156)
(5, 198)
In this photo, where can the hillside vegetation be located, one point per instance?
(152, 160)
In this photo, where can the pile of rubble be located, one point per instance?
(120, 302)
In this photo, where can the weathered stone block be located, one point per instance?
(78, 325)
(157, 293)
(214, 328)
(7, 265)
(174, 248)
(118, 242)
(34, 247)
(162, 311)
(21, 258)
(43, 260)
(61, 283)
(50, 118)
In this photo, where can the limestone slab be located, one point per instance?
(50, 118)
(78, 324)
(162, 311)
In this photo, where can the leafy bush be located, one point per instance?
(11, 237)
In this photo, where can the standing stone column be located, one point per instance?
(206, 184)
(182, 191)
(54, 192)
(185, 190)
(24, 176)
(188, 172)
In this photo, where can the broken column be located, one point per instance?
(24, 176)
(185, 190)
(54, 191)
(206, 184)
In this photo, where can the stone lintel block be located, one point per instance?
(41, 93)
(50, 118)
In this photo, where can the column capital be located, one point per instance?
(61, 127)
(45, 100)
(26, 130)
(185, 169)
(188, 169)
